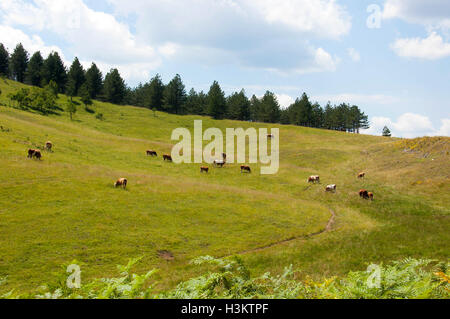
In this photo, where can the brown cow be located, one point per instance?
(31, 153)
(37, 154)
(121, 182)
(224, 156)
(361, 175)
(204, 169)
(152, 153)
(245, 168)
(167, 158)
(371, 196)
(48, 146)
(269, 136)
(364, 194)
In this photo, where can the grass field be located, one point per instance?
(65, 207)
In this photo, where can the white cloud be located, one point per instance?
(89, 34)
(265, 34)
(11, 37)
(354, 55)
(433, 47)
(408, 125)
(430, 13)
(285, 100)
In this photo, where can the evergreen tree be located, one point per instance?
(85, 95)
(238, 106)
(54, 70)
(71, 108)
(75, 78)
(216, 102)
(34, 71)
(270, 108)
(174, 95)
(18, 63)
(387, 132)
(4, 61)
(94, 81)
(155, 93)
(301, 111)
(114, 87)
(255, 106)
(191, 105)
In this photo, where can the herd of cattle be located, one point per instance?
(122, 182)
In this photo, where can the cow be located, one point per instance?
(219, 163)
(370, 196)
(121, 182)
(245, 168)
(361, 175)
(314, 179)
(152, 153)
(167, 158)
(331, 188)
(37, 154)
(224, 156)
(48, 146)
(204, 169)
(31, 153)
(269, 136)
(364, 194)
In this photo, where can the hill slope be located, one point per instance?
(65, 207)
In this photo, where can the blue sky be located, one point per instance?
(390, 57)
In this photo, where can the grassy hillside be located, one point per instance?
(65, 207)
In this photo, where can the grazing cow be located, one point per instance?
(31, 153)
(370, 196)
(204, 169)
(167, 158)
(269, 136)
(364, 194)
(245, 168)
(121, 182)
(152, 153)
(314, 179)
(48, 146)
(331, 188)
(361, 175)
(219, 163)
(37, 154)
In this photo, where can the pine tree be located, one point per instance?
(19, 63)
(4, 61)
(387, 132)
(54, 70)
(155, 94)
(238, 106)
(76, 78)
(34, 71)
(114, 87)
(174, 95)
(217, 105)
(270, 108)
(94, 81)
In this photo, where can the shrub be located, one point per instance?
(229, 278)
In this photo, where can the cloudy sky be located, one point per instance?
(390, 57)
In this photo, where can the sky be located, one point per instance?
(389, 57)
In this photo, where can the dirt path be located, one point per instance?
(327, 229)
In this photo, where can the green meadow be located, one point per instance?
(65, 207)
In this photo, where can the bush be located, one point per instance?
(99, 116)
(229, 278)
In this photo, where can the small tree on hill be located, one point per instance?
(71, 108)
(387, 132)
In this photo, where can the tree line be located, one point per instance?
(173, 97)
